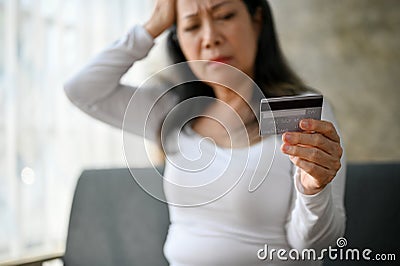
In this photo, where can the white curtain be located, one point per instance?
(45, 142)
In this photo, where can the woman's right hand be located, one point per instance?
(162, 18)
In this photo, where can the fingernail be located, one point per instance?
(305, 124)
(288, 137)
(286, 147)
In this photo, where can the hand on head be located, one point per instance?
(162, 18)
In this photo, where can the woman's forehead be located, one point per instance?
(187, 8)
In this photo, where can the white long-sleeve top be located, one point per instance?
(225, 204)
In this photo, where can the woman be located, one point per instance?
(216, 219)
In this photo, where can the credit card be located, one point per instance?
(282, 114)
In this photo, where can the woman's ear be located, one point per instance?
(258, 20)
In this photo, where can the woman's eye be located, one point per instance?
(191, 28)
(227, 16)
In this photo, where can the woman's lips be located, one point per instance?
(221, 59)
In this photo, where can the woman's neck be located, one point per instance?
(230, 120)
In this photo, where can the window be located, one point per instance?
(45, 142)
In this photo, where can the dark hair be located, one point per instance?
(272, 72)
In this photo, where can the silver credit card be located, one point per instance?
(282, 114)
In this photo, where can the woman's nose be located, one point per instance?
(211, 36)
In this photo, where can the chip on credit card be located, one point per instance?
(282, 114)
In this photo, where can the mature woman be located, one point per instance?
(216, 218)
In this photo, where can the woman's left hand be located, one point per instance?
(316, 151)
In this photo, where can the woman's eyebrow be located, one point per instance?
(213, 7)
(218, 5)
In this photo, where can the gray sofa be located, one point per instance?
(114, 222)
(372, 204)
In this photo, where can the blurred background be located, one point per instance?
(347, 49)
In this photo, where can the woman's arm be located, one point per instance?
(318, 219)
(96, 88)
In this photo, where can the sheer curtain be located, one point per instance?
(45, 142)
